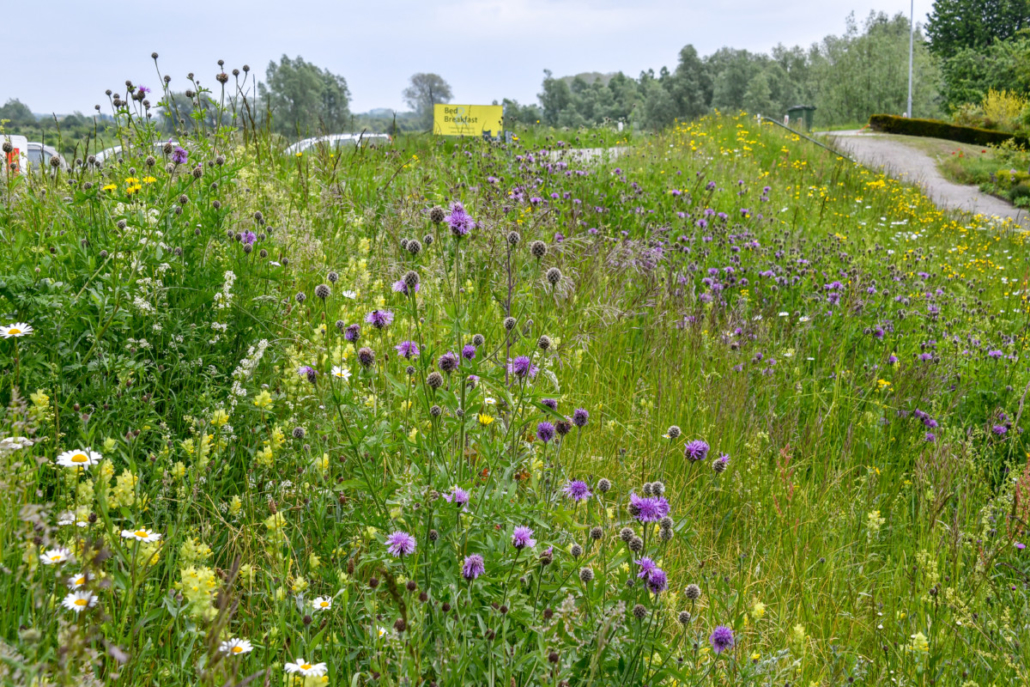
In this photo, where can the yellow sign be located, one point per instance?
(468, 120)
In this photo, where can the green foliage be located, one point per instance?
(1003, 65)
(425, 91)
(934, 128)
(958, 25)
(305, 100)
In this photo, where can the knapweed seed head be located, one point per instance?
(366, 356)
(478, 340)
(625, 534)
(333, 277)
(596, 533)
(437, 214)
(514, 238)
(586, 575)
(544, 342)
(636, 544)
(414, 247)
(298, 432)
(323, 291)
(604, 485)
(673, 432)
(411, 279)
(434, 380)
(639, 612)
(538, 249)
(300, 297)
(692, 592)
(509, 323)
(683, 618)
(576, 550)
(553, 276)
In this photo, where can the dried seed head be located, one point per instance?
(544, 342)
(639, 612)
(478, 340)
(604, 485)
(434, 380)
(626, 534)
(684, 618)
(414, 247)
(333, 277)
(673, 432)
(411, 279)
(437, 214)
(509, 323)
(692, 592)
(538, 249)
(514, 238)
(596, 533)
(427, 239)
(553, 276)
(366, 356)
(586, 575)
(636, 544)
(322, 291)
(576, 550)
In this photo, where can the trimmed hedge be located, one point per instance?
(932, 128)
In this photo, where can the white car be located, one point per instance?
(339, 141)
(17, 160)
(115, 152)
(40, 156)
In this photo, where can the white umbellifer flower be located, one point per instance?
(76, 581)
(306, 669)
(322, 603)
(142, 534)
(79, 601)
(341, 372)
(55, 556)
(79, 458)
(235, 647)
(16, 330)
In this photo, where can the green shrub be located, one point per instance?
(1020, 193)
(933, 128)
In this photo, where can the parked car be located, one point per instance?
(339, 141)
(114, 152)
(40, 156)
(17, 159)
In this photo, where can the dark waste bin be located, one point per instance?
(801, 116)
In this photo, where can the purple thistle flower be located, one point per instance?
(545, 431)
(549, 403)
(458, 496)
(179, 155)
(473, 567)
(248, 238)
(459, 220)
(400, 544)
(407, 349)
(448, 362)
(468, 352)
(647, 566)
(580, 417)
(1019, 545)
(379, 318)
(1000, 430)
(400, 286)
(577, 490)
(143, 89)
(696, 450)
(721, 639)
(522, 538)
(523, 367)
(352, 332)
(308, 372)
(657, 582)
(994, 355)
(648, 509)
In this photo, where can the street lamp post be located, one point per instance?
(911, 52)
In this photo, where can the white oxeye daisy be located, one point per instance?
(76, 581)
(322, 603)
(15, 330)
(235, 647)
(349, 294)
(79, 601)
(306, 669)
(142, 534)
(341, 372)
(79, 458)
(55, 556)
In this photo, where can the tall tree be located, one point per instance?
(423, 92)
(956, 24)
(305, 99)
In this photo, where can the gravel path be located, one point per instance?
(913, 165)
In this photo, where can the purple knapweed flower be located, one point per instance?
(400, 544)
(468, 352)
(647, 566)
(657, 582)
(473, 567)
(458, 496)
(994, 355)
(549, 403)
(248, 238)
(999, 430)
(307, 372)
(696, 450)
(522, 538)
(545, 431)
(721, 639)
(180, 156)
(523, 367)
(459, 220)
(400, 286)
(448, 362)
(379, 319)
(577, 490)
(580, 417)
(649, 508)
(407, 349)
(352, 332)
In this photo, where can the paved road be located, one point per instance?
(911, 164)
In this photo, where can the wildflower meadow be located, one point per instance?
(709, 407)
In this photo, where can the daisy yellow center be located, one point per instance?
(140, 533)
(81, 602)
(324, 604)
(80, 458)
(237, 649)
(80, 580)
(56, 557)
(305, 666)
(14, 331)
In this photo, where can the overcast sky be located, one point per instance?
(60, 56)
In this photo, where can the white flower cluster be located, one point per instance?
(223, 299)
(245, 370)
(9, 445)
